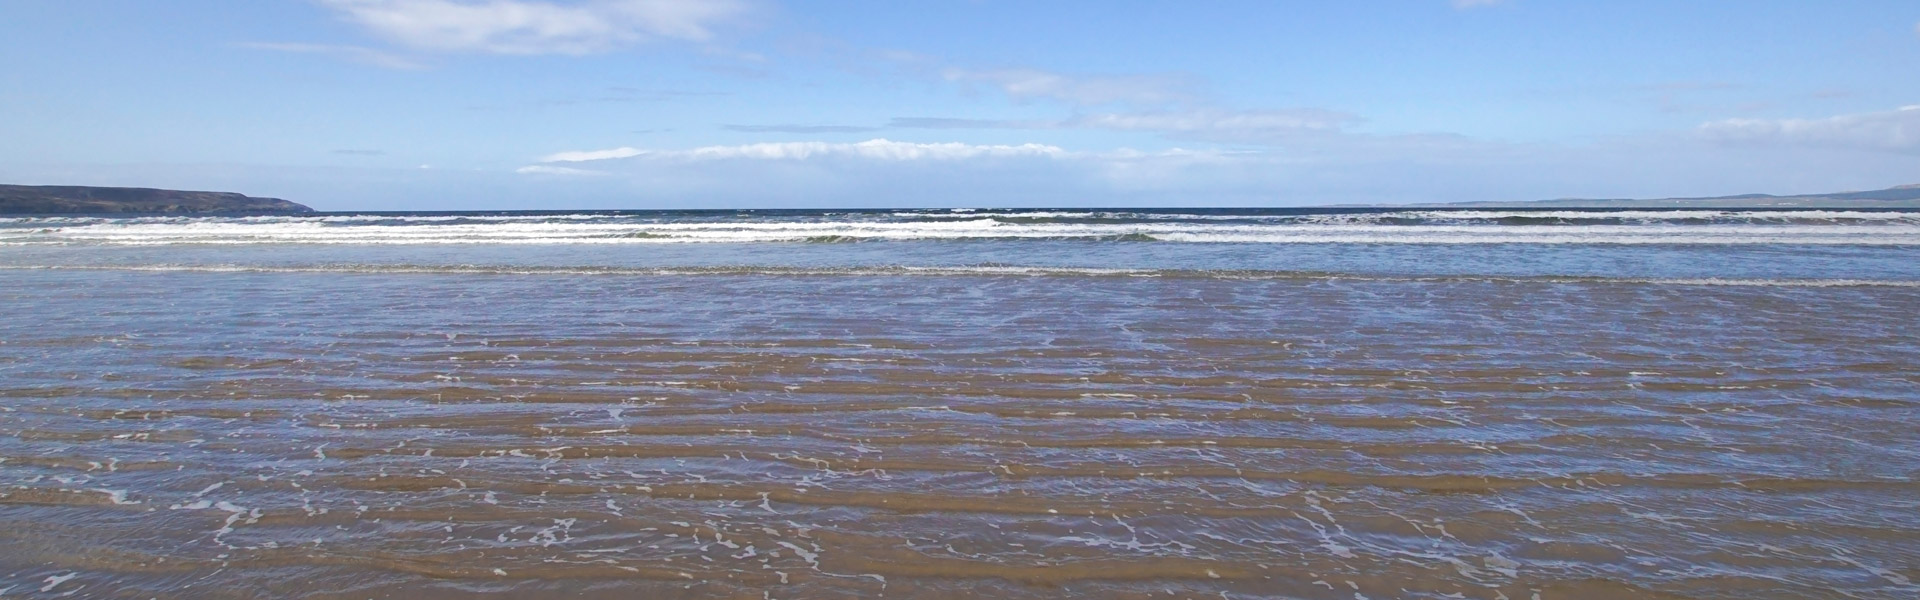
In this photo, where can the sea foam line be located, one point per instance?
(671, 233)
(969, 270)
(1725, 216)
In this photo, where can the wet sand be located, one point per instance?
(716, 435)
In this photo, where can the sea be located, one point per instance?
(1183, 403)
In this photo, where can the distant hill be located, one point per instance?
(1905, 196)
(72, 199)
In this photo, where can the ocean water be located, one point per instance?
(1286, 403)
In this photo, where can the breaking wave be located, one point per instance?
(1881, 228)
(988, 270)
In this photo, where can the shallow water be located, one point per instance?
(1027, 418)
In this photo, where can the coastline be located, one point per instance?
(49, 200)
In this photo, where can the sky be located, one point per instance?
(596, 104)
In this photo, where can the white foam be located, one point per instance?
(984, 270)
(1431, 227)
(117, 496)
(1641, 215)
(54, 581)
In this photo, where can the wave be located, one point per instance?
(1834, 228)
(985, 270)
(1355, 216)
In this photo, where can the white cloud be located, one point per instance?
(1895, 130)
(553, 170)
(1028, 84)
(1466, 4)
(875, 149)
(352, 53)
(587, 155)
(536, 27)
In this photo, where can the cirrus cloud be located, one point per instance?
(553, 170)
(1207, 124)
(592, 155)
(874, 149)
(1893, 130)
(1031, 84)
(352, 53)
(536, 27)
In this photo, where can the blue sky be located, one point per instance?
(554, 104)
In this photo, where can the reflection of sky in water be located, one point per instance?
(1741, 262)
(448, 432)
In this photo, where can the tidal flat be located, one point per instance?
(238, 415)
